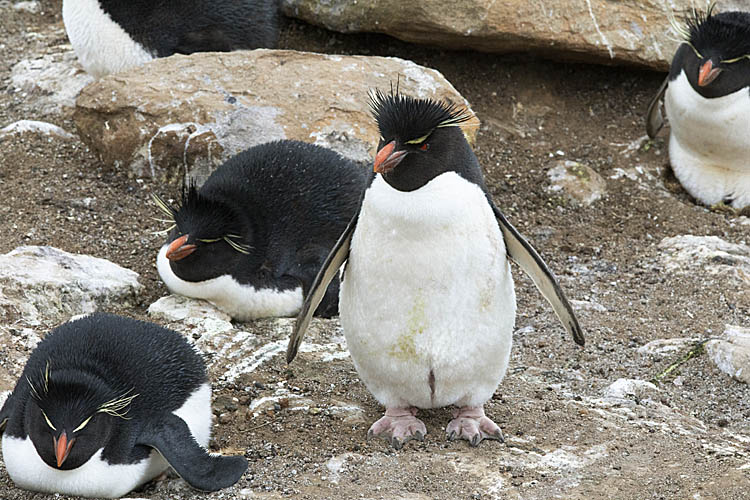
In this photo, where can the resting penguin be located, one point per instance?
(112, 35)
(427, 301)
(707, 101)
(252, 239)
(106, 403)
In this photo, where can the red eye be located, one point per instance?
(424, 147)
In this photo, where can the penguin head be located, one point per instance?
(419, 140)
(70, 416)
(716, 50)
(208, 238)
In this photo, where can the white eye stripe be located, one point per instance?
(83, 424)
(46, 419)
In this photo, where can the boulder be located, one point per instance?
(686, 253)
(576, 183)
(731, 353)
(635, 32)
(45, 285)
(186, 114)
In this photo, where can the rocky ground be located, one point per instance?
(573, 428)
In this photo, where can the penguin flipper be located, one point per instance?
(654, 118)
(524, 254)
(336, 258)
(7, 411)
(171, 437)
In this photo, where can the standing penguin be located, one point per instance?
(427, 300)
(105, 404)
(707, 100)
(252, 239)
(112, 35)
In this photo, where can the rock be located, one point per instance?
(731, 354)
(36, 127)
(187, 114)
(636, 32)
(44, 285)
(576, 182)
(626, 388)
(667, 347)
(179, 308)
(685, 253)
(587, 305)
(50, 83)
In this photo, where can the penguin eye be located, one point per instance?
(424, 147)
(83, 424)
(736, 59)
(46, 419)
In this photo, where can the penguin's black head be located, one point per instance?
(716, 52)
(71, 415)
(208, 238)
(419, 140)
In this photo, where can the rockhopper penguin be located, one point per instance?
(707, 101)
(106, 403)
(112, 35)
(427, 300)
(252, 239)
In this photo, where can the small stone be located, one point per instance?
(576, 182)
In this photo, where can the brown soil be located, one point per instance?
(530, 110)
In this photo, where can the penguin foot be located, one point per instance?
(399, 425)
(470, 423)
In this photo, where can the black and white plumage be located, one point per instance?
(106, 403)
(707, 101)
(112, 35)
(252, 239)
(427, 300)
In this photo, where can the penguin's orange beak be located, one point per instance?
(387, 159)
(179, 249)
(62, 447)
(707, 73)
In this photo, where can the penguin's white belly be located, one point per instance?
(427, 303)
(241, 302)
(709, 148)
(101, 45)
(97, 477)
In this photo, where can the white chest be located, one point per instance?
(241, 302)
(428, 294)
(97, 478)
(101, 45)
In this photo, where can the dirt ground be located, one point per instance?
(534, 112)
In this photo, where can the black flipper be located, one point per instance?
(654, 118)
(172, 438)
(336, 258)
(524, 254)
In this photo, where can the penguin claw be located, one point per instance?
(471, 424)
(398, 425)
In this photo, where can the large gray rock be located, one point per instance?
(686, 253)
(183, 114)
(575, 183)
(731, 353)
(43, 285)
(632, 32)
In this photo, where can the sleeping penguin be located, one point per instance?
(707, 101)
(427, 300)
(106, 403)
(112, 35)
(252, 239)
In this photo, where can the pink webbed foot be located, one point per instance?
(399, 425)
(470, 423)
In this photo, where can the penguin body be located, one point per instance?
(427, 300)
(105, 404)
(707, 101)
(255, 234)
(112, 35)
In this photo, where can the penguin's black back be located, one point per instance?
(166, 27)
(294, 193)
(128, 355)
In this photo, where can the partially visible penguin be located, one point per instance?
(427, 298)
(707, 101)
(106, 403)
(252, 239)
(112, 35)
